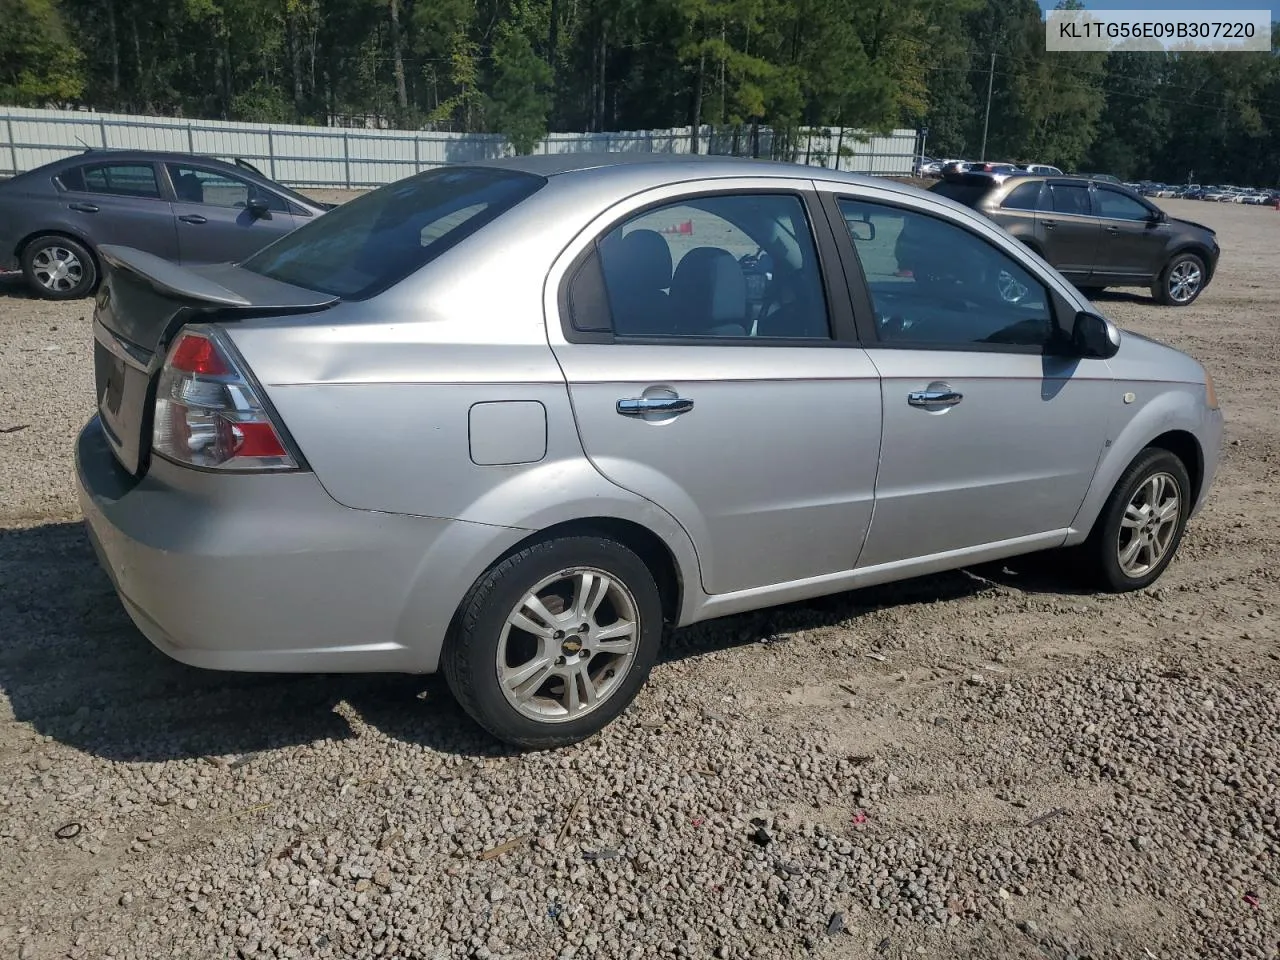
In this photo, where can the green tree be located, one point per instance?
(521, 97)
(39, 66)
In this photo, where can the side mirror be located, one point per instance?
(862, 229)
(258, 208)
(1094, 337)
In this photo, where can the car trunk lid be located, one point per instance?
(142, 303)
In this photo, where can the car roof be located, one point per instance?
(644, 170)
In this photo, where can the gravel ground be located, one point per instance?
(987, 763)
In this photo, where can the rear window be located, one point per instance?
(968, 191)
(363, 247)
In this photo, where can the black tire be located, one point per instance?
(469, 658)
(1165, 289)
(1101, 552)
(79, 282)
(1091, 292)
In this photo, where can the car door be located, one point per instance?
(990, 439)
(1135, 236)
(214, 223)
(714, 370)
(1067, 230)
(119, 202)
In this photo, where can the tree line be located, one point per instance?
(523, 67)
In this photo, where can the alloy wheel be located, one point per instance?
(567, 645)
(57, 268)
(1149, 525)
(1184, 281)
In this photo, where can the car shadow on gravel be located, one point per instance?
(74, 667)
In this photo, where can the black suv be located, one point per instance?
(1097, 234)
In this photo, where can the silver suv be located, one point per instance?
(509, 419)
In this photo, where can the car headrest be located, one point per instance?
(709, 290)
(641, 260)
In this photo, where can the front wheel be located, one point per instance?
(555, 641)
(1181, 281)
(1139, 529)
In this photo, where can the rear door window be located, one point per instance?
(1072, 198)
(1024, 197)
(118, 179)
(368, 244)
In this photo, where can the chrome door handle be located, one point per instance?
(84, 207)
(193, 218)
(639, 406)
(934, 398)
(1048, 224)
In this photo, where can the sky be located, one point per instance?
(1207, 6)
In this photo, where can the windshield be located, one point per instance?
(363, 247)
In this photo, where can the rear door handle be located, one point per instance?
(193, 218)
(1113, 230)
(934, 398)
(1048, 224)
(639, 406)
(84, 207)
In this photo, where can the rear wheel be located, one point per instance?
(1181, 281)
(1091, 291)
(1139, 529)
(555, 641)
(59, 268)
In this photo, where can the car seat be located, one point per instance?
(637, 271)
(709, 295)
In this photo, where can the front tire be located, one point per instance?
(554, 642)
(1141, 525)
(1181, 281)
(59, 268)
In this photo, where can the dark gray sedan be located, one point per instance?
(184, 208)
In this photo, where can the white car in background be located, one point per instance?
(1041, 169)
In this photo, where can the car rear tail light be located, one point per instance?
(208, 413)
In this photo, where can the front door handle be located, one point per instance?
(639, 406)
(1048, 224)
(84, 207)
(193, 218)
(1113, 230)
(934, 398)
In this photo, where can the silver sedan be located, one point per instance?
(509, 419)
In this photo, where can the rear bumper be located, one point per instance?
(269, 573)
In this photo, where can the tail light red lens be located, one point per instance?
(208, 413)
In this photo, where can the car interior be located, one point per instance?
(761, 280)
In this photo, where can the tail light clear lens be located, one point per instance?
(208, 413)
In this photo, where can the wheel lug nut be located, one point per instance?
(559, 634)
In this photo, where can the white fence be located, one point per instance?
(351, 157)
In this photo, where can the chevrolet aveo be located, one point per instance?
(509, 419)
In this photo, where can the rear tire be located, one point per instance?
(1139, 529)
(59, 268)
(1181, 281)
(518, 659)
(1091, 292)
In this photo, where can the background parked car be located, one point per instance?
(1043, 169)
(184, 208)
(1098, 234)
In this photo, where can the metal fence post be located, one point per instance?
(417, 154)
(346, 159)
(191, 139)
(271, 152)
(102, 131)
(13, 147)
